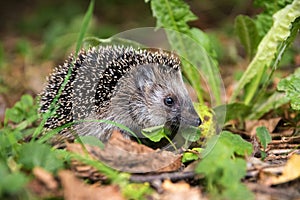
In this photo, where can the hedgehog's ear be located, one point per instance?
(144, 77)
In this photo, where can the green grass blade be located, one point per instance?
(53, 107)
(86, 20)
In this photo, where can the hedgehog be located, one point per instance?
(137, 88)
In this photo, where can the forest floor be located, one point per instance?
(273, 172)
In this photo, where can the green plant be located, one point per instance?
(223, 165)
(290, 85)
(193, 45)
(268, 53)
(264, 137)
(264, 42)
(18, 124)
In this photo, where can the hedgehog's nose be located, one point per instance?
(198, 121)
(195, 122)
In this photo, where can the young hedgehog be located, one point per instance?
(135, 88)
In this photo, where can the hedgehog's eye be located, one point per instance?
(169, 101)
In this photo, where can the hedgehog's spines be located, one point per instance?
(103, 66)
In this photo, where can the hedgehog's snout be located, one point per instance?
(198, 121)
(193, 121)
(190, 117)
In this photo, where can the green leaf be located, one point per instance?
(136, 191)
(291, 86)
(205, 57)
(11, 183)
(246, 30)
(263, 136)
(35, 154)
(223, 171)
(174, 15)
(190, 156)
(264, 20)
(239, 145)
(25, 109)
(13, 115)
(155, 134)
(267, 51)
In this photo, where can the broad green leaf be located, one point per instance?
(267, 50)
(10, 183)
(263, 136)
(239, 145)
(155, 133)
(173, 15)
(204, 56)
(13, 183)
(222, 170)
(35, 154)
(291, 86)
(264, 20)
(246, 30)
(204, 40)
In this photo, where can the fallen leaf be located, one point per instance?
(270, 124)
(129, 156)
(290, 172)
(180, 190)
(75, 189)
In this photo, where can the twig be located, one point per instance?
(175, 176)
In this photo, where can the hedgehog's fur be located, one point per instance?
(120, 84)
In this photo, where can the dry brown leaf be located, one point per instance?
(75, 189)
(128, 156)
(270, 124)
(45, 177)
(290, 172)
(178, 191)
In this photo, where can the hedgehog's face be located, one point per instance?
(152, 95)
(164, 99)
